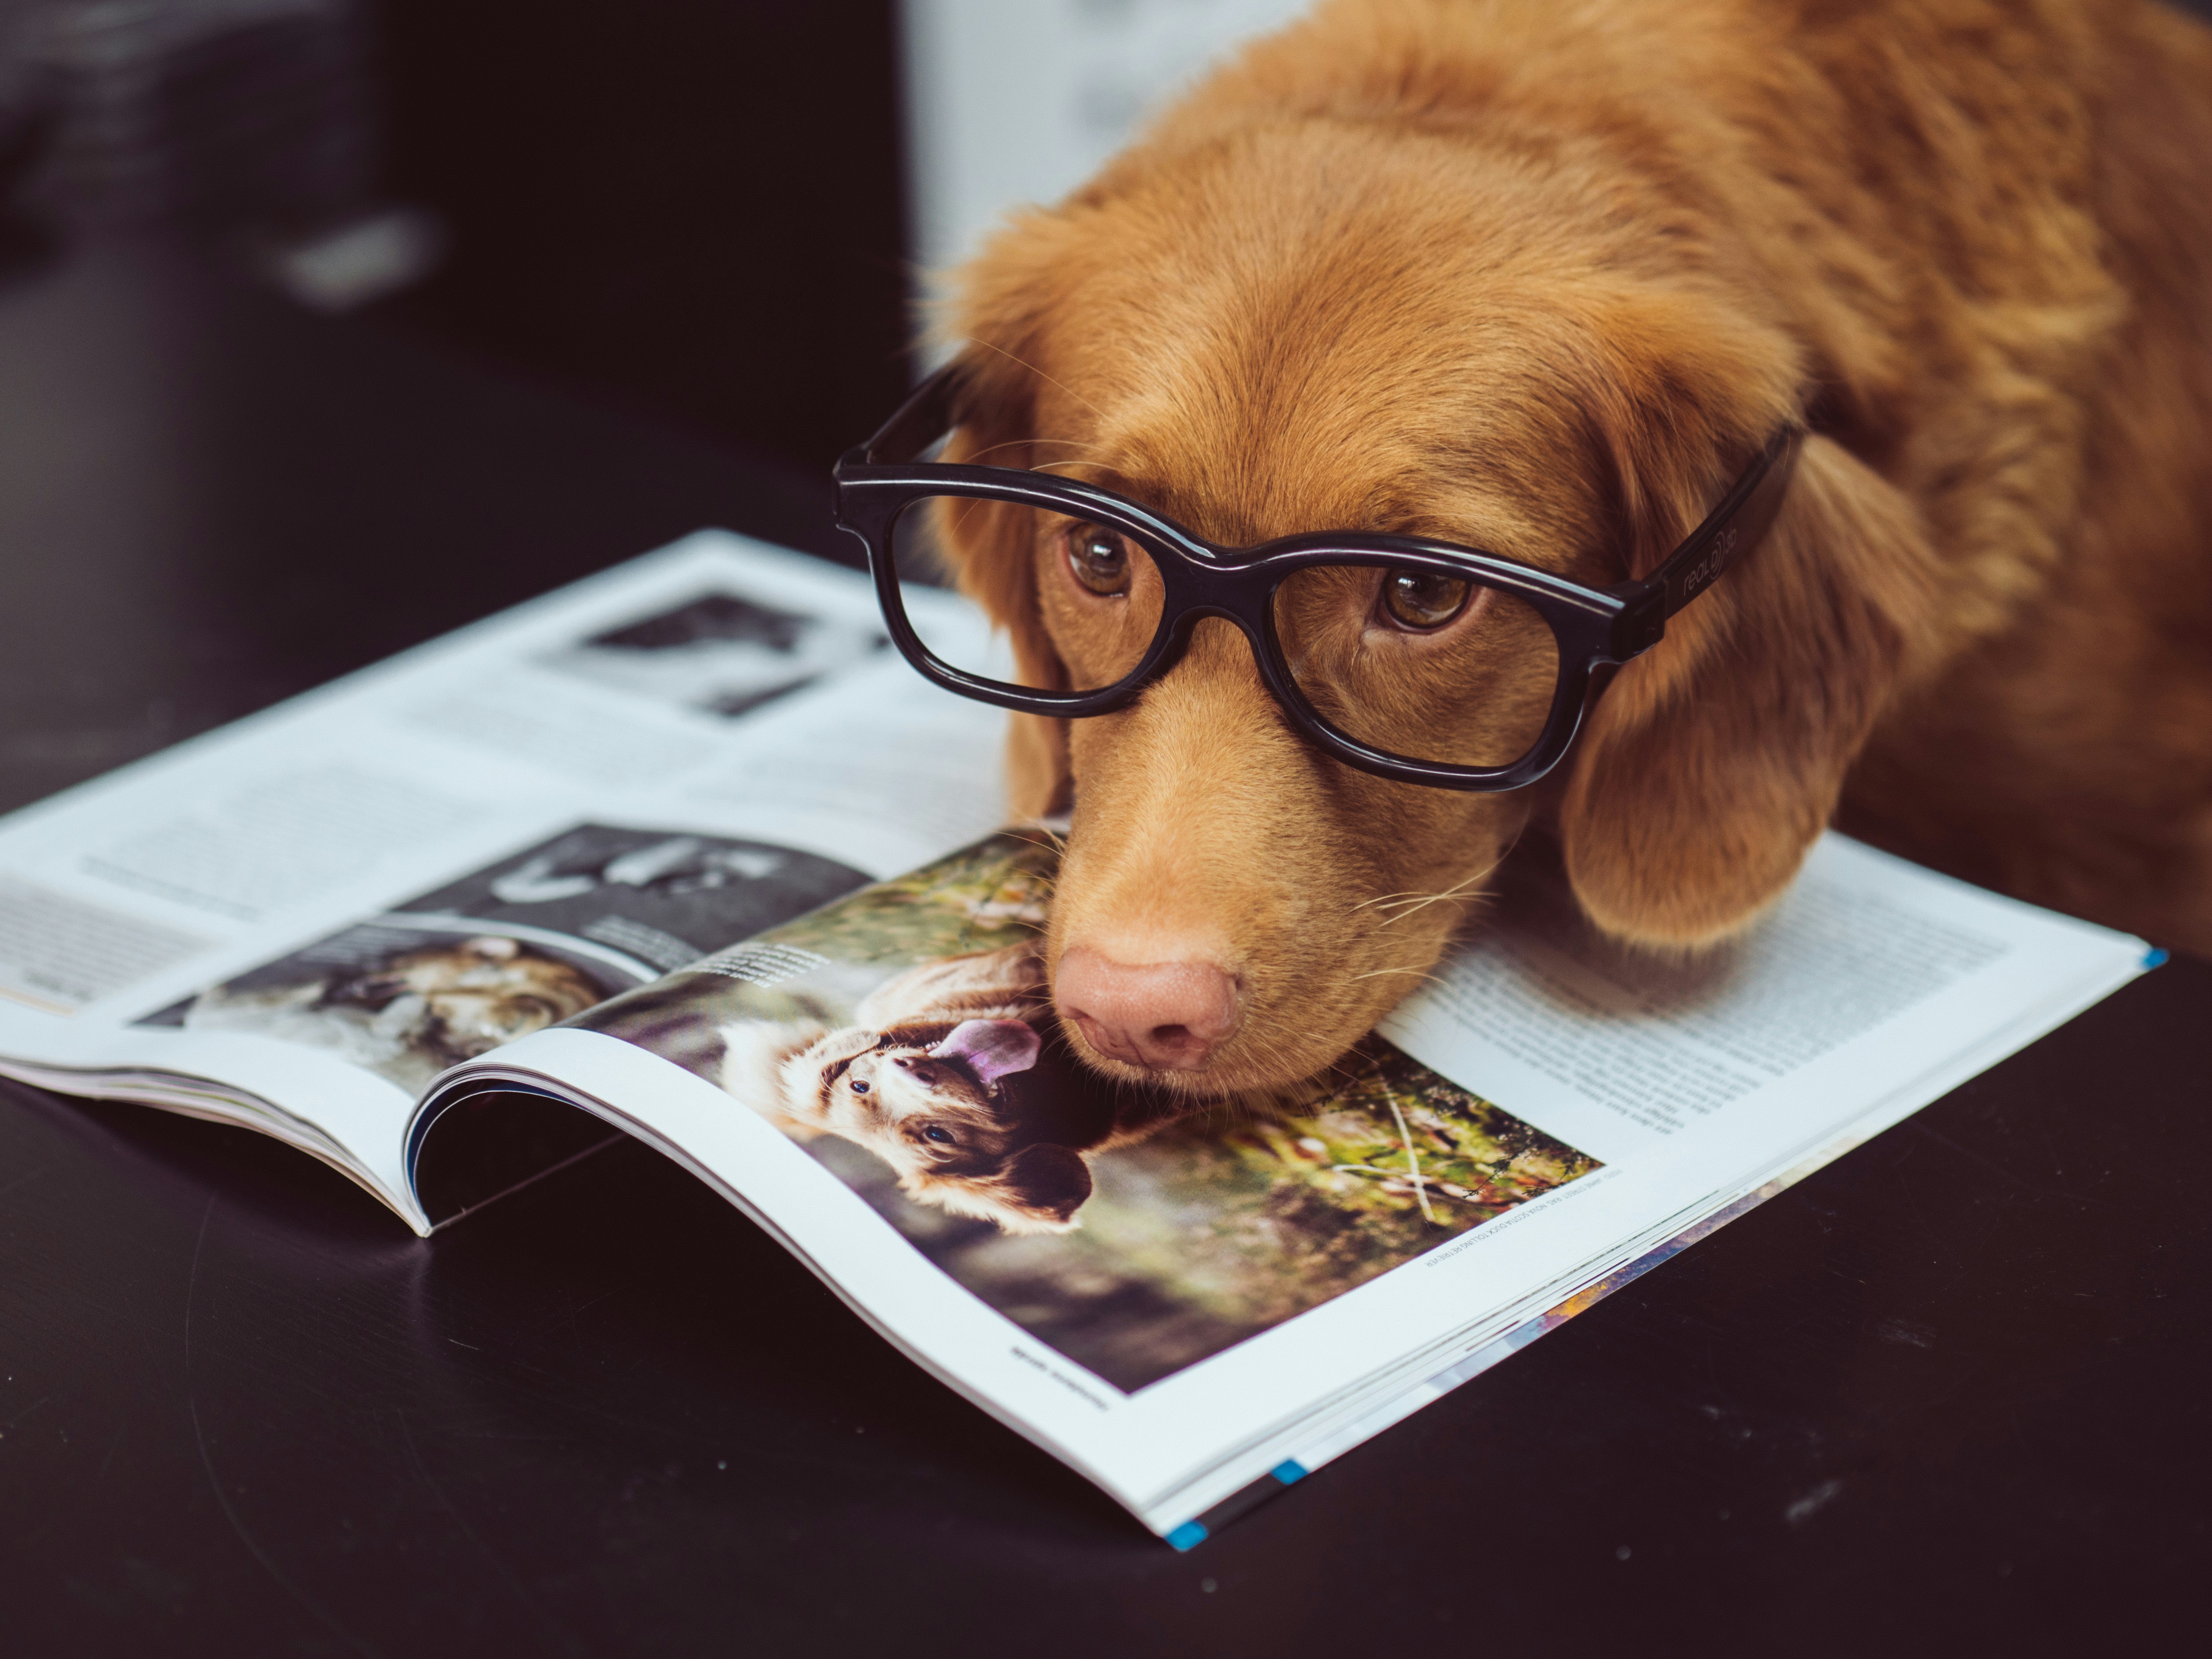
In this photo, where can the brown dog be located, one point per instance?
(946, 1077)
(1539, 278)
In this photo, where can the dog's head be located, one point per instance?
(952, 1110)
(1493, 335)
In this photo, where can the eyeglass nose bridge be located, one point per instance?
(1190, 599)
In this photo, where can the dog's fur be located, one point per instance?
(946, 1077)
(1540, 275)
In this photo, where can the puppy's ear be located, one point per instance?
(992, 1048)
(1043, 1188)
(1716, 759)
(1039, 1191)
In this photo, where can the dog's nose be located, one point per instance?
(1164, 1016)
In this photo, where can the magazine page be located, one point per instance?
(1176, 1298)
(320, 909)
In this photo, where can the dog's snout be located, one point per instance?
(1163, 1016)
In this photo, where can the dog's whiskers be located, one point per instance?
(1401, 905)
(1418, 973)
(1421, 901)
(1053, 839)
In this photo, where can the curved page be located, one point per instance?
(1176, 1298)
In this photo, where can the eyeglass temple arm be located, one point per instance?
(1731, 530)
(920, 422)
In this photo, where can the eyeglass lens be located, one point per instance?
(1419, 665)
(1096, 591)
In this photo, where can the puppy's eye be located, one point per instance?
(860, 1087)
(1422, 600)
(1098, 559)
(942, 1137)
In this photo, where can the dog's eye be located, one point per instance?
(942, 1137)
(859, 1086)
(1422, 600)
(1098, 558)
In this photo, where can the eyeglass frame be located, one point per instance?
(1597, 630)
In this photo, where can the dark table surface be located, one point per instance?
(1949, 1394)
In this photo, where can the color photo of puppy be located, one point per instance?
(904, 1036)
(947, 1077)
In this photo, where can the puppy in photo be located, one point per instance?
(952, 1076)
(1927, 284)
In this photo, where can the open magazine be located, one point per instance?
(684, 853)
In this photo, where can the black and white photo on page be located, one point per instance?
(525, 942)
(718, 652)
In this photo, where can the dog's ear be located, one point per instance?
(1042, 1189)
(1038, 1191)
(992, 1048)
(1716, 759)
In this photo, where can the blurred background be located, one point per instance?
(328, 325)
(713, 210)
(716, 210)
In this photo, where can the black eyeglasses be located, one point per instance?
(1410, 658)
